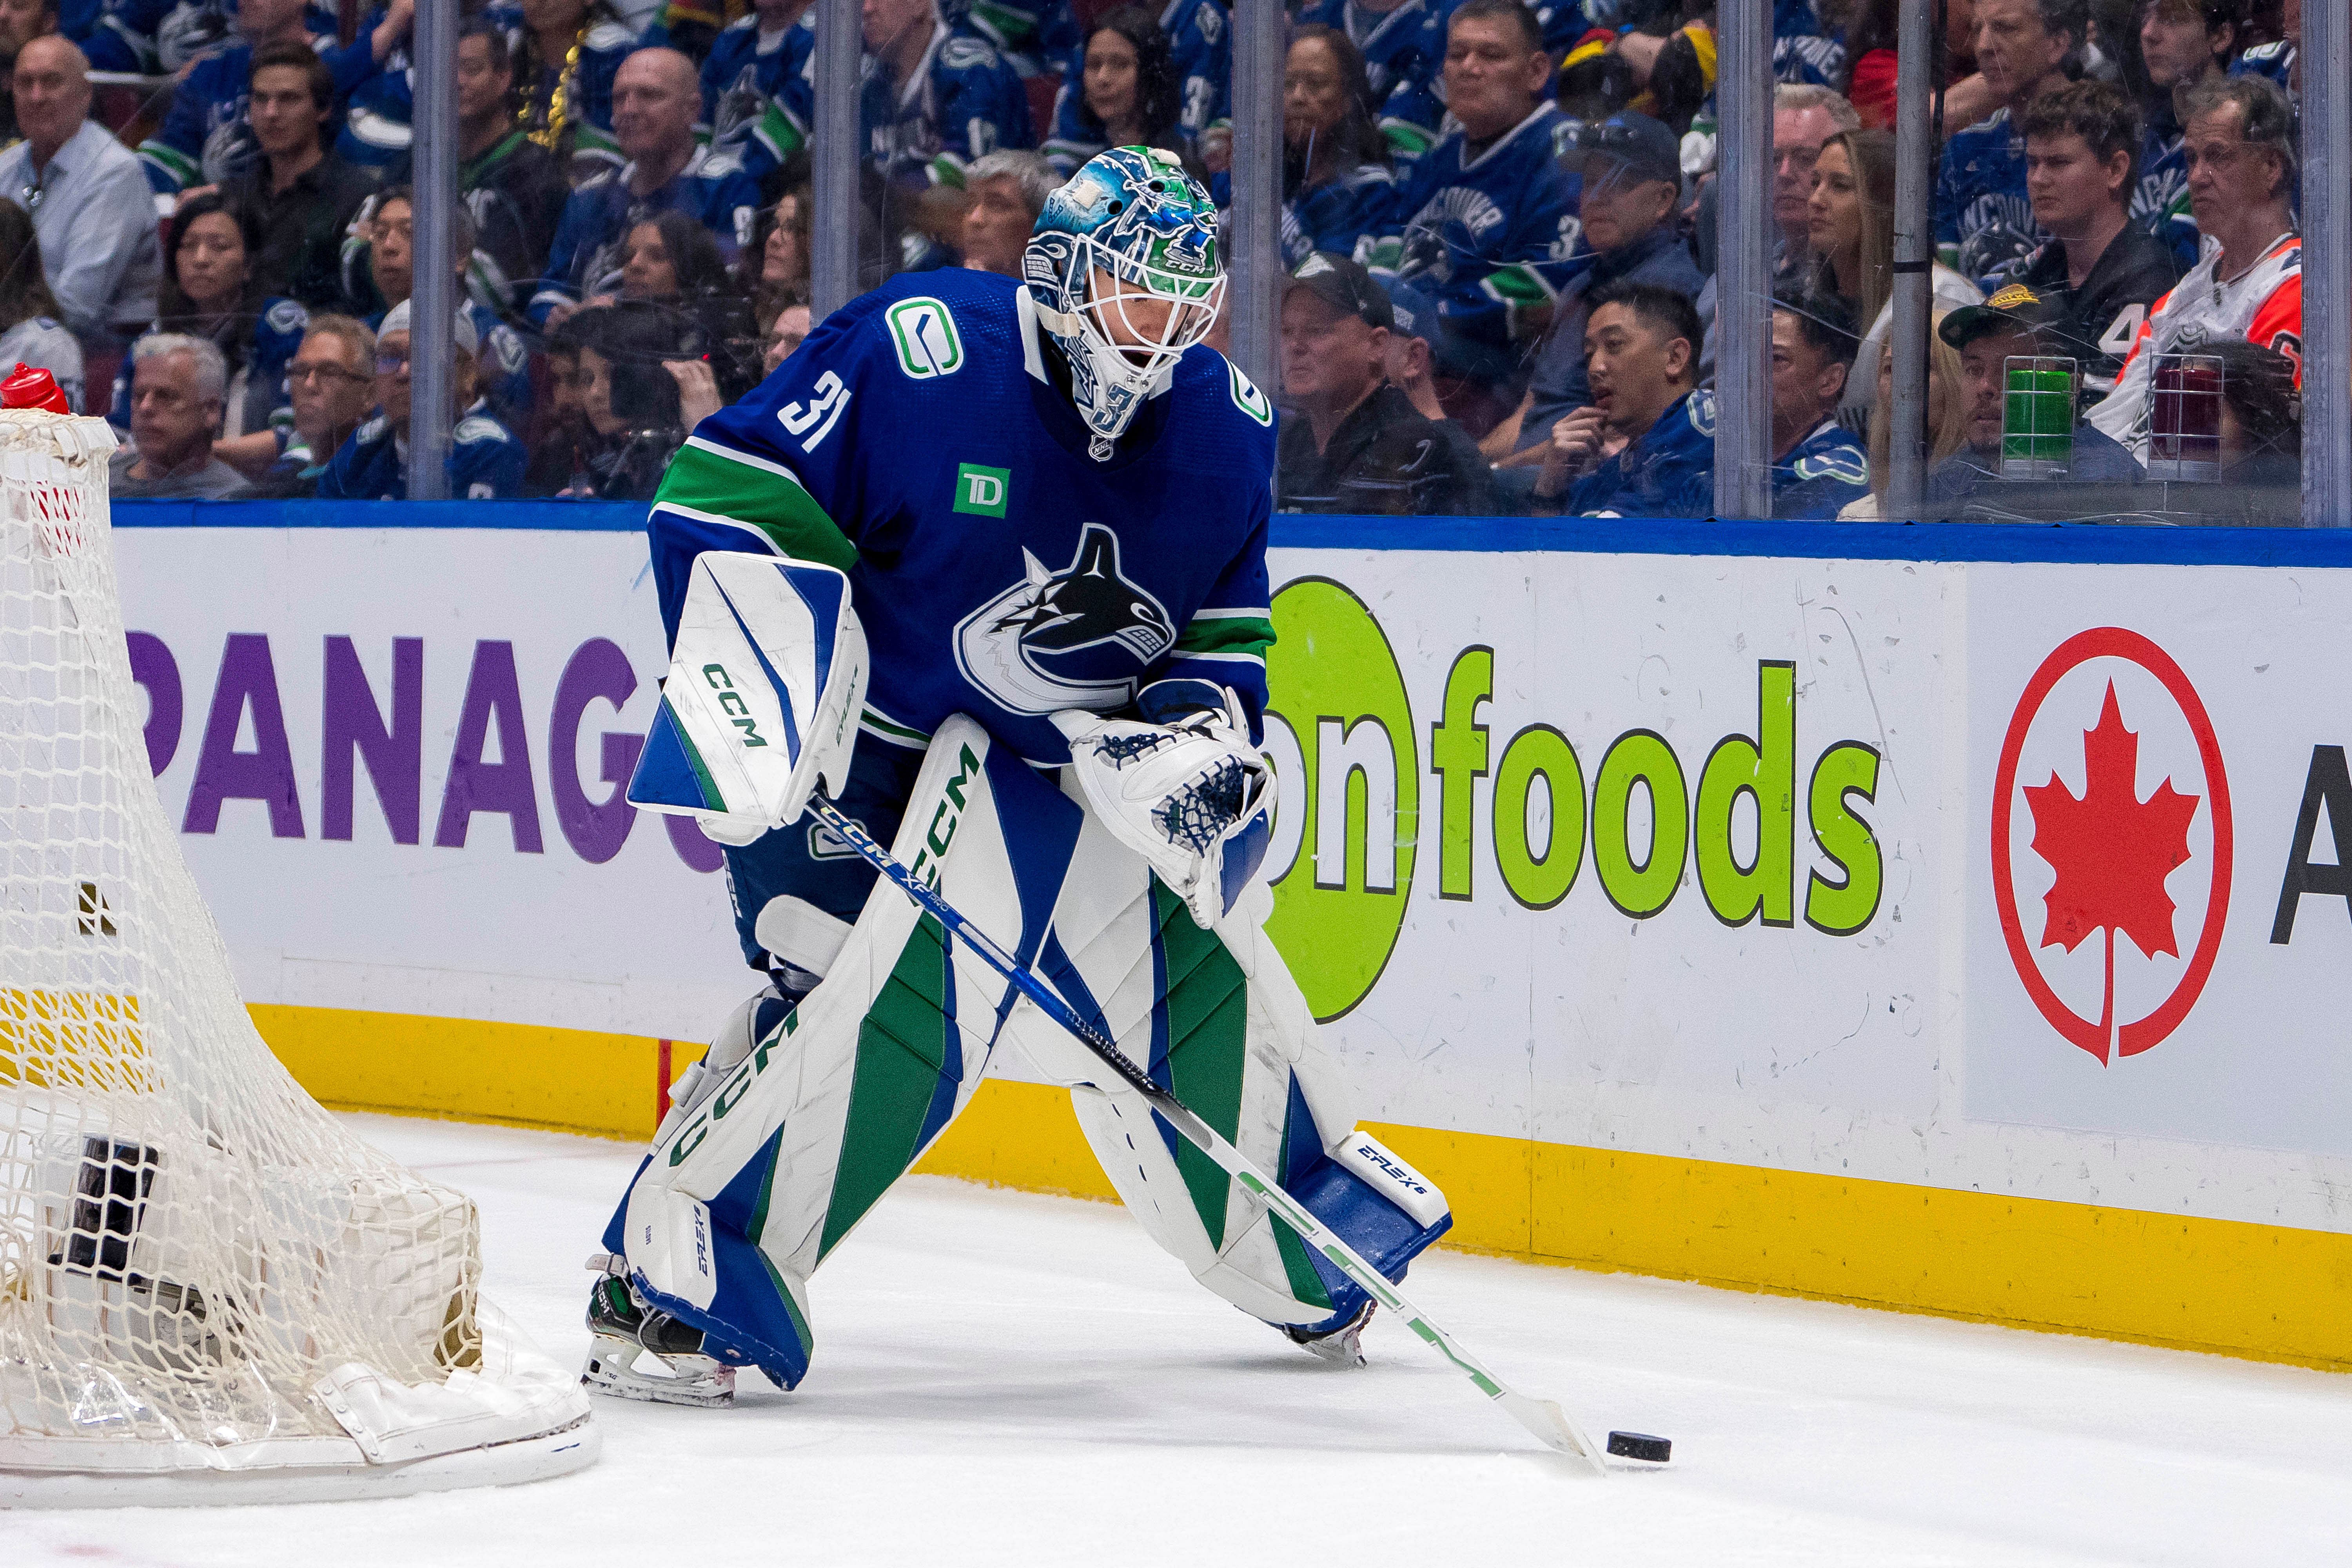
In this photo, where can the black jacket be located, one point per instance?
(1385, 458)
(2096, 323)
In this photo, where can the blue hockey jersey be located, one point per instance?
(1396, 45)
(1200, 41)
(1492, 235)
(961, 102)
(206, 139)
(1823, 475)
(1033, 36)
(1984, 220)
(758, 91)
(2275, 61)
(485, 462)
(1336, 215)
(916, 442)
(1668, 471)
(589, 99)
(714, 189)
(1804, 53)
(2159, 199)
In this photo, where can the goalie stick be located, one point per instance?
(1551, 1425)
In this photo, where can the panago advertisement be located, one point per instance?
(1965, 935)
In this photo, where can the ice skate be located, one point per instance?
(1343, 1346)
(626, 1332)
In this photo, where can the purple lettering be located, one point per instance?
(504, 785)
(595, 829)
(350, 723)
(153, 666)
(266, 773)
(698, 853)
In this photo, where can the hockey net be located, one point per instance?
(204, 1278)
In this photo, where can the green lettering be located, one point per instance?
(1841, 909)
(717, 675)
(967, 764)
(1539, 881)
(1457, 751)
(1765, 769)
(1640, 888)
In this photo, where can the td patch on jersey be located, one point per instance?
(1079, 638)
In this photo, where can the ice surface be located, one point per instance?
(1003, 1378)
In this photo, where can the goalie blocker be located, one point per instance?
(746, 1191)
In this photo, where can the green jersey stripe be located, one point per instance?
(706, 477)
(1247, 635)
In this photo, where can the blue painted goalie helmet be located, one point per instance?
(1124, 268)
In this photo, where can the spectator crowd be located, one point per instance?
(1500, 223)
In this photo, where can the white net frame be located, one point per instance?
(210, 1289)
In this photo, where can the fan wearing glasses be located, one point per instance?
(331, 383)
(485, 461)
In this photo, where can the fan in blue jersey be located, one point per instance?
(1051, 505)
(2181, 42)
(1984, 221)
(1486, 220)
(1641, 358)
(485, 461)
(759, 84)
(1198, 38)
(1402, 56)
(2275, 61)
(566, 56)
(1033, 36)
(1818, 467)
(935, 97)
(1336, 184)
(1804, 52)
(375, 127)
(656, 99)
(204, 139)
(1122, 88)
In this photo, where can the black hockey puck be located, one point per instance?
(1641, 1446)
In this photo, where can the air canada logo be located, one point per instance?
(2111, 842)
(1079, 638)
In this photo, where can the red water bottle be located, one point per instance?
(27, 387)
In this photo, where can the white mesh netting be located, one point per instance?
(200, 1270)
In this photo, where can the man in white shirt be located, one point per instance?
(89, 202)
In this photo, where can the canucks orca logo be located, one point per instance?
(1047, 642)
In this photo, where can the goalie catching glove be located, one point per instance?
(767, 678)
(1194, 798)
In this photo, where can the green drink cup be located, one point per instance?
(2037, 427)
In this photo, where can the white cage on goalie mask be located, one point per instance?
(210, 1291)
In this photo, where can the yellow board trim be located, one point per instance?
(2267, 1292)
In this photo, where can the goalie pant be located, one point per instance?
(738, 1204)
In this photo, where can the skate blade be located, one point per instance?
(697, 1381)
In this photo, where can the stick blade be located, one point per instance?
(1553, 1430)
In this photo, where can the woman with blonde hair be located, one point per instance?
(1851, 225)
(1948, 425)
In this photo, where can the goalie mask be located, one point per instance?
(1124, 268)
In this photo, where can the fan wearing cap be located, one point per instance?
(2013, 324)
(1646, 446)
(1633, 185)
(485, 460)
(1413, 370)
(1356, 442)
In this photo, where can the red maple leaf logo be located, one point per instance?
(2112, 852)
